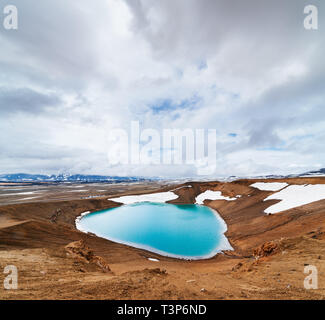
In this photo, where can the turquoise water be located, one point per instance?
(183, 231)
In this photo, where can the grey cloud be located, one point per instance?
(25, 100)
(200, 28)
(56, 42)
(263, 136)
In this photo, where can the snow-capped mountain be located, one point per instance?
(317, 173)
(24, 177)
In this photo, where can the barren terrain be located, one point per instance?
(56, 261)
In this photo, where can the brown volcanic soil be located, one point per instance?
(56, 261)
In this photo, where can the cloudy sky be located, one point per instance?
(75, 70)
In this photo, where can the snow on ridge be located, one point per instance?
(211, 195)
(151, 197)
(295, 196)
(269, 186)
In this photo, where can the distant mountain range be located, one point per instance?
(320, 172)
(25, 177)
(316, 173)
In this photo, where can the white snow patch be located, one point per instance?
(269, 186)
(30, 192)
(151, 197)
(19, 193)
(29, 198)
(153, 259)
(295, 196)
(211, 195)
(189, 186)
(75, 187)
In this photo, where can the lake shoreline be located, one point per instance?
(223, 245)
